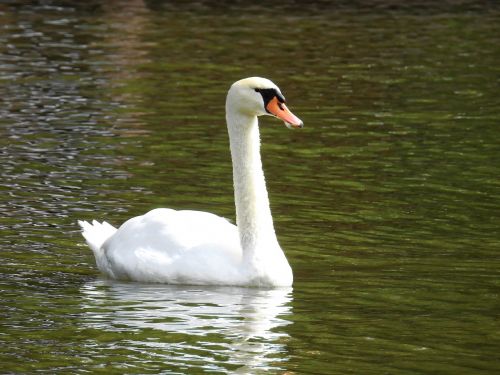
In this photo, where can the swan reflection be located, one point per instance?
(217, 326)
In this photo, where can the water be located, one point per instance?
(386, 203)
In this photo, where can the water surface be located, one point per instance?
(386, 203)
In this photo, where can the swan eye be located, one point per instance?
(268, 94)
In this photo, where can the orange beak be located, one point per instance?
(281, 111)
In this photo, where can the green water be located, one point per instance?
(387, 203)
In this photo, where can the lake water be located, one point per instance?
(387, 203)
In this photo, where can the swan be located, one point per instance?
(200, 248)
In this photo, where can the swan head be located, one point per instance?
(256, 96)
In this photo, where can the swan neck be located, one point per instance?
(253, 213)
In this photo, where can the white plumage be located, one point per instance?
(194, 247)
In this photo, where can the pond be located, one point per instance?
(387, 203)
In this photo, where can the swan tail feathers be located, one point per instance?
(96, 233)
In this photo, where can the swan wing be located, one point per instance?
(166, 245)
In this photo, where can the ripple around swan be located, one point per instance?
(220, 326)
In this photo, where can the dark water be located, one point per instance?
(387, 203)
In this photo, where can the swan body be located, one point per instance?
(194, 247)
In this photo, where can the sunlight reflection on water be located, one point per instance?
(386, 203)
(231, 317)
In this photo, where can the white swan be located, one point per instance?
(194, 247)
